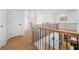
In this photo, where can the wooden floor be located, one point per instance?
(19, 43)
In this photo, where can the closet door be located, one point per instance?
(3, 27)
(20, 22)
(16, 23)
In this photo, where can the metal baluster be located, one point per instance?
(69, 42)
(49, 40)
(77, 43)
(45, 39)
(66, 42)
(32, 35)
(53, 40)
(36, 38)
(59, 40)
(53, 37)
(40, 38)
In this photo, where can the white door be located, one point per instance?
(26, 23)
(16, 22)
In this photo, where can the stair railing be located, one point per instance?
(44, 40)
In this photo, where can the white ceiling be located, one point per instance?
(56, 11)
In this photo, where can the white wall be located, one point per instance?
(73, 17)
(30, 17)
(44, 16)
(54, 14)
(3, 30)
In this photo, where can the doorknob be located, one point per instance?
(1, 26)
(20, 24)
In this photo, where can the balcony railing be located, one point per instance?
(45, 38)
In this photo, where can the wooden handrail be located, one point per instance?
(68, 35)
(76, 34)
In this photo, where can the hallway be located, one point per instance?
(14, 23)
(19, 43)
